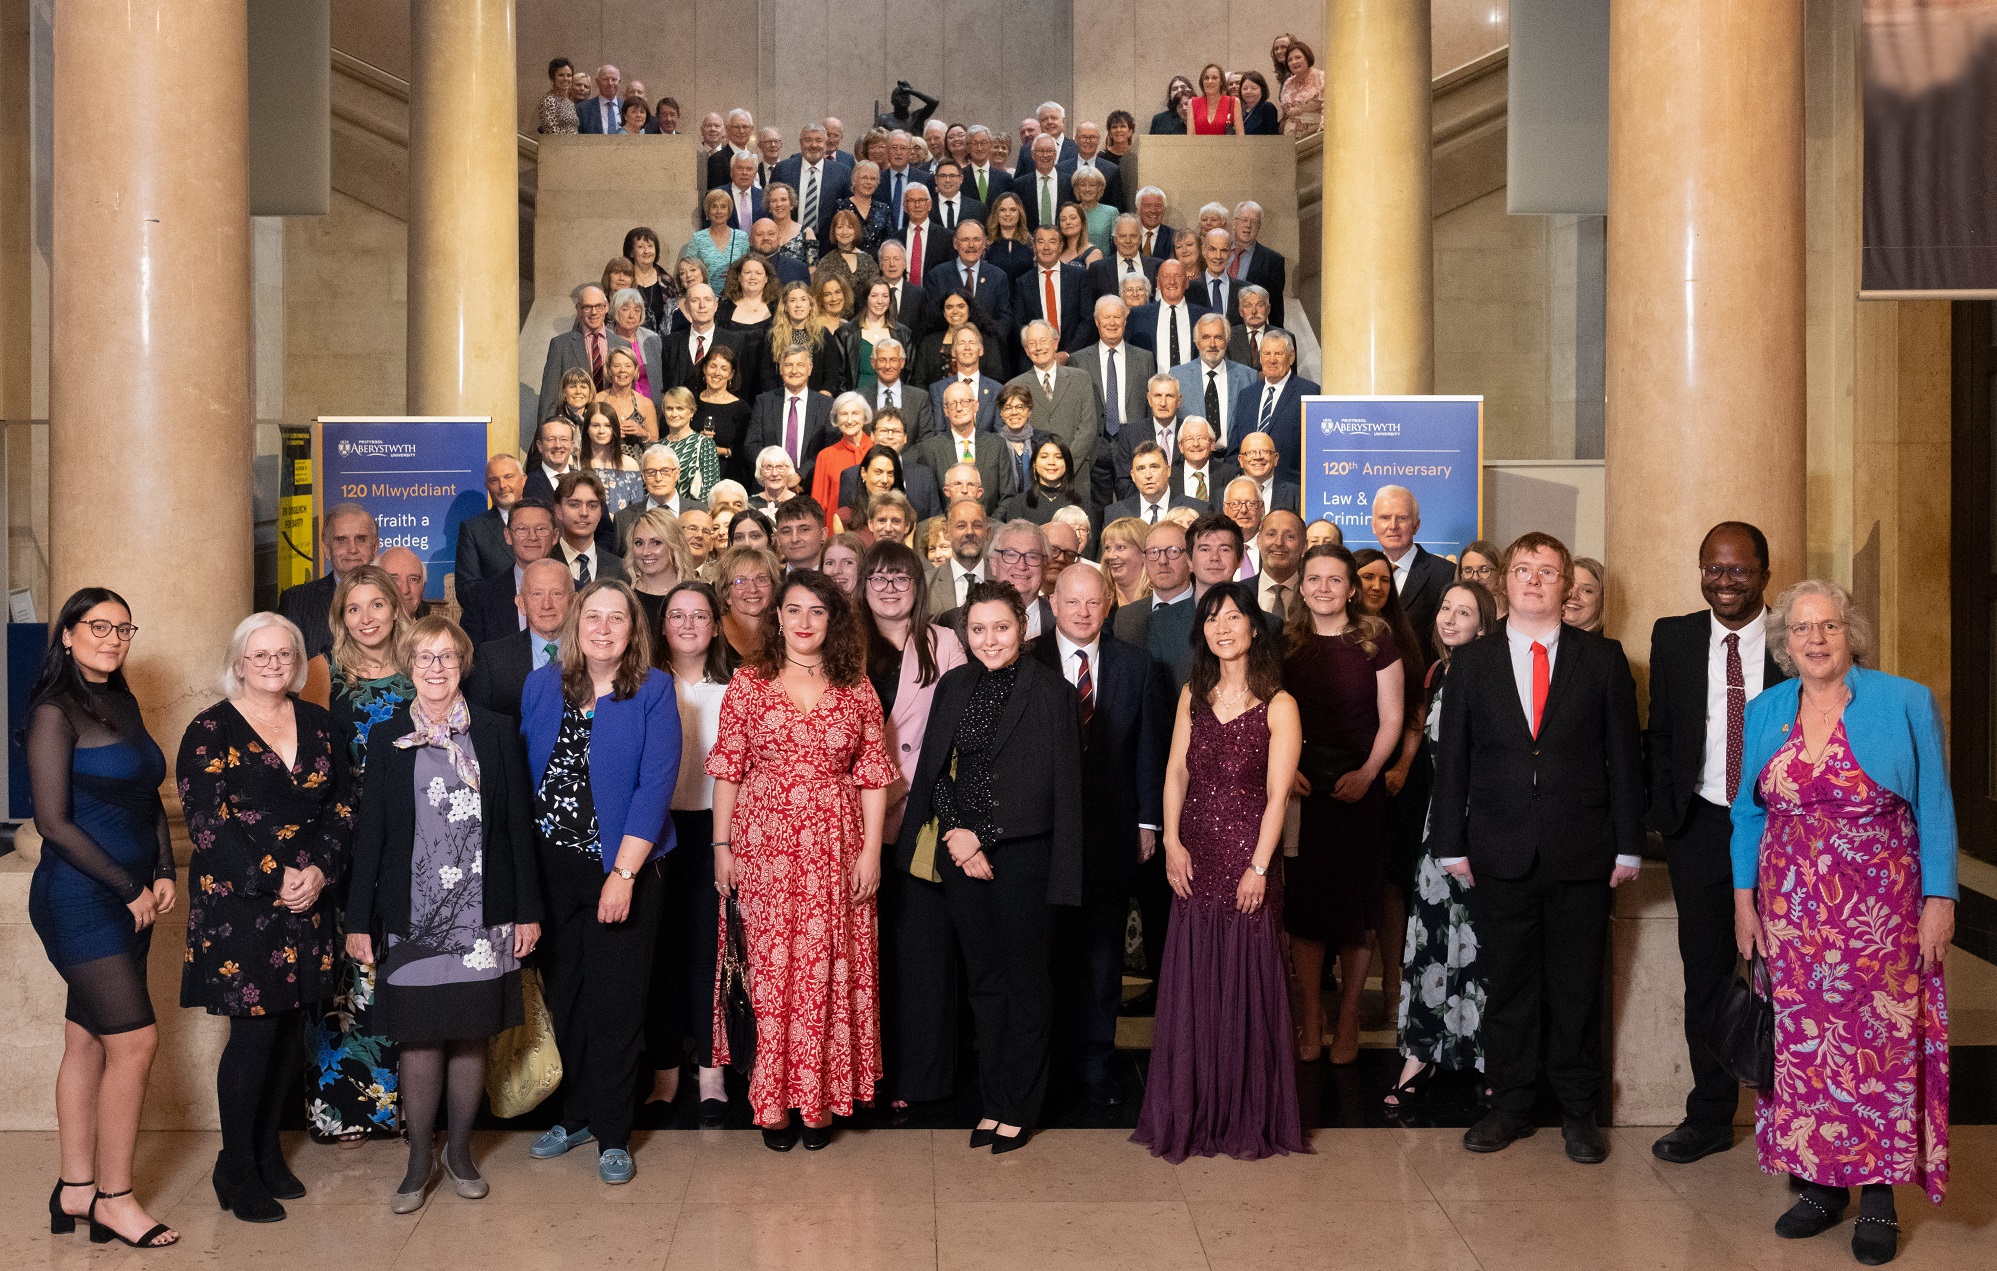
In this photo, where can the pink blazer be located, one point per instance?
(905, 725)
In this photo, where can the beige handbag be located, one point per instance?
(523, 1066)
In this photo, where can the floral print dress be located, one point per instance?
(1861, 1032)
(1442, 988)
(349, 1065)
(249, 819)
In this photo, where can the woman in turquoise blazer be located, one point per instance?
(1844, 882)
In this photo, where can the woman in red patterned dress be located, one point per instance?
(800, 791)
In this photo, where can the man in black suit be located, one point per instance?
(661, 473)
(764, 242)
(740, 128)
(348, 539)
(554, 445)
(1216, 547)
(1126, 732)
(1704, 669)
(1127, 259)
(1420, 576)
(1051, 120)
(1070, 318)
(1538, 809)
(792, 417)
(900, 176)
(911, 401)
(500, 666)
(1043, 187)
(1198, 471)
(1220, 293)
(1160, 428)
(983, 179)
(1257, 461)
(681, 353)
(1253, 261)
(1165, 326)
(990, 288)
(908, 301)
(954, 206)
(1244, 344)
(482, 539)
(579, 504)
(920, 235)
(1152, 495)
(487, 609)
(818, 178)
(1152, 230)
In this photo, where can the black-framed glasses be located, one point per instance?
(1731, 573)
(1163, 553)
(896, 583)
(1013, 556)
(104, 629)
(1062, 556)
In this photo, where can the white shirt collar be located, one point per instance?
(1069, 648)
(1520, 641)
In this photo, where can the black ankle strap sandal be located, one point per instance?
(103, 1235)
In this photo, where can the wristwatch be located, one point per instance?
(1261, 871)
(626, 874)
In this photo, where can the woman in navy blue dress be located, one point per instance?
(105, 874)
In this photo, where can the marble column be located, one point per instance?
(464, 215)
(150, 378)
(1378, 320)
(1705, 357)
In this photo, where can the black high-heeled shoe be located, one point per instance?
(983, 1138)
(780, 1138)
(815, 1137)
(1410, 1092)
(103, 1235)
(1003, 1143)
(243, 1193)
(61, 1221)
(276, 1174)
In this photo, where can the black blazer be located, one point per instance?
(766, 428)
(385, 828)
(482, 549)
(310, 605)
(1675, 745)
(1106, 276)
(1124, 748)
(1570, 799)
(677, 368)
(918, 482)
(1428, 577)
(1036, 769)
(486, 610)
(499, 673)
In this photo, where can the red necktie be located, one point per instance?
(1052, 303)
(699, 347)
(1736, 714)
(1542, 674)
(596, 361)
(1234, 265)
(915, 256)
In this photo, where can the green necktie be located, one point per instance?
(1047, 200)
(553, 650)
(981, 186)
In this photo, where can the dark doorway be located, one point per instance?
(1973, 578)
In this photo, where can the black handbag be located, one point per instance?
(1322, 765)
(738, 1010)
(1743, 1028)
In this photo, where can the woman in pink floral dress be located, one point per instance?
(1844, 876)
(801, 773)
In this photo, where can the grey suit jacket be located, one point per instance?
(938, 453)
(1192, 377)
(942, 590)
(918, 411)
(568, 352)
(627, 516)
(1074, 414)
(1134, 367)
(1241, 349)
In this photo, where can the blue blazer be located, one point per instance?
(1896, 737)
(634, 755)
(1286, 425)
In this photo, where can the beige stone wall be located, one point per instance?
(345, 312)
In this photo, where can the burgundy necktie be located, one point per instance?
(1087, 688)
(596, 373)
(791, 433)
(699, 346)
(1736, 714)
(915, 257)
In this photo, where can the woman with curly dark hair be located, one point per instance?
(801, 772)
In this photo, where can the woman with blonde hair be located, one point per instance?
(699, 460)
(659, 560)
(1123, 558)
(718, 246)
(1009, 244)
(746, 581)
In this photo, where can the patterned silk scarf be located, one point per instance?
(457, 722)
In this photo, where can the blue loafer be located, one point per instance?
(613, 1166)
(557, 1141)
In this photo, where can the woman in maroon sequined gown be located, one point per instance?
(1222, 1076)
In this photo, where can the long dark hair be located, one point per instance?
(751, 514)
(1299, 625)
(1067, 487)
(1414, 664)
(845, 651)
(59, 680)
(887, 556)
(987, 331)
(716, 670)
(1265, 656)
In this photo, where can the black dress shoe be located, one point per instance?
(1105, 1093)
(1692, 1142)
(1874, 1241)
(1816, 1211)
(1497, 1131)
(781, 1139)
(1001, 1143)
(713, 1113)
(817, 1136)
(1145, 1003)
(983, 1138)
(1585, 1144)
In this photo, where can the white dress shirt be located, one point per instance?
(950, 210)
(1071, 665)
(1265, 591)
(1153, 511)
(1401, 568)
(1753, 668)
(1168, 314)
(570, 555)
(1130, 267)
(1223, 393)
(700, 343)
(671, 505)
(1190, 486)
(961, 578)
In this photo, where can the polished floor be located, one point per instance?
(1398, 1200)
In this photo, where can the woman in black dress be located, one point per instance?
(264, 785)
(1258, 113)
(445, 898)
(1053, 485)
(105, 874)
(721, 411)
(1342, 666)
(1171, 121)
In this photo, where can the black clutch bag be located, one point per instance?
(738, 1011)
(1323, 765)
(1743, 1028)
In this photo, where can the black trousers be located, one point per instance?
(598, 980)
(1702, 881)
(1541, 941)
(687, 947)
(1154, 908)
(918, 988)
(1006, 930)
(1088, 943)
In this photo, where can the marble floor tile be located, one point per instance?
(1060, 1236)
(664, 1161)
(309, 1236)
(1089, 1166)
(1344, 1165)
(553, 1237)
(1337, 1232)
(1536, 1168)
(822, 1237)
(732, 1167)
(1603, 1233)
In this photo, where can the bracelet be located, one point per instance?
(722, 843)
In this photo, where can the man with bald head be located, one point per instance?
(482, 539)
(500, 667)
(1420, 576)
(968, 531)
(684, 351)
(769, 153)
(1165, 326)
(990, 286)
(603, 114)
(1256, 459)
(1126, 736)
(410, 575)
(763, 240)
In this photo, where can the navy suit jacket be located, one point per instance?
(1133, 504)
(1161, 243)
(767, 423)
(482, 549)
(998, 181)
(499, 673)
(1078, 325)
(1142, 330)
(1286, 424)
(988, 391)
(1106, 277)
(755, 207)
(994, 294)
(486, 608)
(837, 182)
(589, 117)
(1022, 165)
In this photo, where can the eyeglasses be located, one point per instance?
(1541, 573)
(1012, 556)
(1802, 630)
(1062, 556)
(264, 658)
(749, 580)
(1242, 505)
(896, 583)
(1163, 553)
(1479, 571)
(104, 629)
(441, 661)
(1732, 573)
